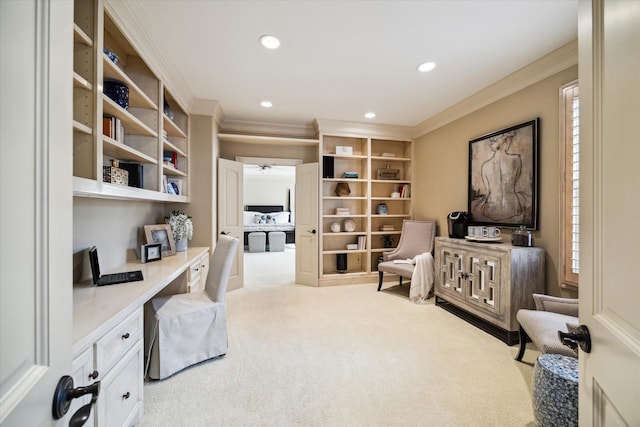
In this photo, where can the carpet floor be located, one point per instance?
(345, 356)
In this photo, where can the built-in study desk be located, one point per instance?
(108, 334)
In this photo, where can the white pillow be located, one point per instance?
(248, 217)
(281, 217)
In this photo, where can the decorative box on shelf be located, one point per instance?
(114, 175)
(344, 150)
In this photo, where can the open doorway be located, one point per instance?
(269, 208)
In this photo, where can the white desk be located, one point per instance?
(96, 309)
(108, 335)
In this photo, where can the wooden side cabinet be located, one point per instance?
(487, 283)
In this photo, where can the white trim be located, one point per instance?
(550, 64)
(268, 161)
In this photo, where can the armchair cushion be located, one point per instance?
(543, 326)
(568, 306)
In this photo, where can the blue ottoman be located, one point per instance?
(555, 390)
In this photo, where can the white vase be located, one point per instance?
(181, 245)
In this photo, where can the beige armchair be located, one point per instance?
(552, 314)
(417, 237)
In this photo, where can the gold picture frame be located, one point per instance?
(161, 233)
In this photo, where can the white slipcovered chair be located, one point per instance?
(185, 329)
(417, 238)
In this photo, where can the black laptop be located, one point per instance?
(110, 279)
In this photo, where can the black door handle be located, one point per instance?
(224, 233)
(312, 231)
(65, 393)
(580, 337)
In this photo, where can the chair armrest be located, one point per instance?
(568, 306)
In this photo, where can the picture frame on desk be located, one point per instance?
(150, 252)
(161, 233)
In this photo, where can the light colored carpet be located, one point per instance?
(268, 269)
(346, 356)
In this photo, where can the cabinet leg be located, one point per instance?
(380, 274)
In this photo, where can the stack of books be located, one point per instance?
(362, 243)
(113, 128)
(170, 158)
(352, 175)
(404, 191)
(387, 227)
(342, 211)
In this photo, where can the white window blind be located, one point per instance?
(570, 131)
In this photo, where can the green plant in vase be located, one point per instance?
(181, 228)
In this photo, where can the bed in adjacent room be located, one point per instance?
(268, 218)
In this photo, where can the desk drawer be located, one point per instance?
(197, 267)
(110, 348)
(120, 402)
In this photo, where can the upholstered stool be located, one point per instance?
(257, 241)
(555, 390)
(276, 241)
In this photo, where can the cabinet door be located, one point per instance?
(83, 375)
(452, 274)
(483, 282)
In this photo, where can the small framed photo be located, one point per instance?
(150, 252)
(161, 233)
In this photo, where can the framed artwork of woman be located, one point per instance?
(503, 177)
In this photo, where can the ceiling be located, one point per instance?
(340, 59)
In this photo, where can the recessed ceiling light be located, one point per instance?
(266, 104)
(370, 115)
(269, 41)
(426, 66)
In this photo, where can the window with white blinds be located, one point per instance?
(570, 135)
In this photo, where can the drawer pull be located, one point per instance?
(126, 336)
(93, 375)
(126, 396)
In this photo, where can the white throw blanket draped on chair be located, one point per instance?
(422, 278)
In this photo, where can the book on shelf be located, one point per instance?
(136, 173)
(170, 158)
(387, 227)
(405, 191)
(362, 243)
(113, 128)
(342, 211)
(164, 183)
(352, 175)
(174, 186)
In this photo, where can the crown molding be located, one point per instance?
(127, 15)
(550, 64)
(364, 129)
(207, 107)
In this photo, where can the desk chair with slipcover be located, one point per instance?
(192, 327)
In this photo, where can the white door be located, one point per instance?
(307, 224)
(609, 39)
(230, 185)
(36, 207)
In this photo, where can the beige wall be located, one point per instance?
(441, 159)
(115, 227)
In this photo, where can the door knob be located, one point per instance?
(65, 393)
(580, 337)
(224, 233)
(312, 231)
